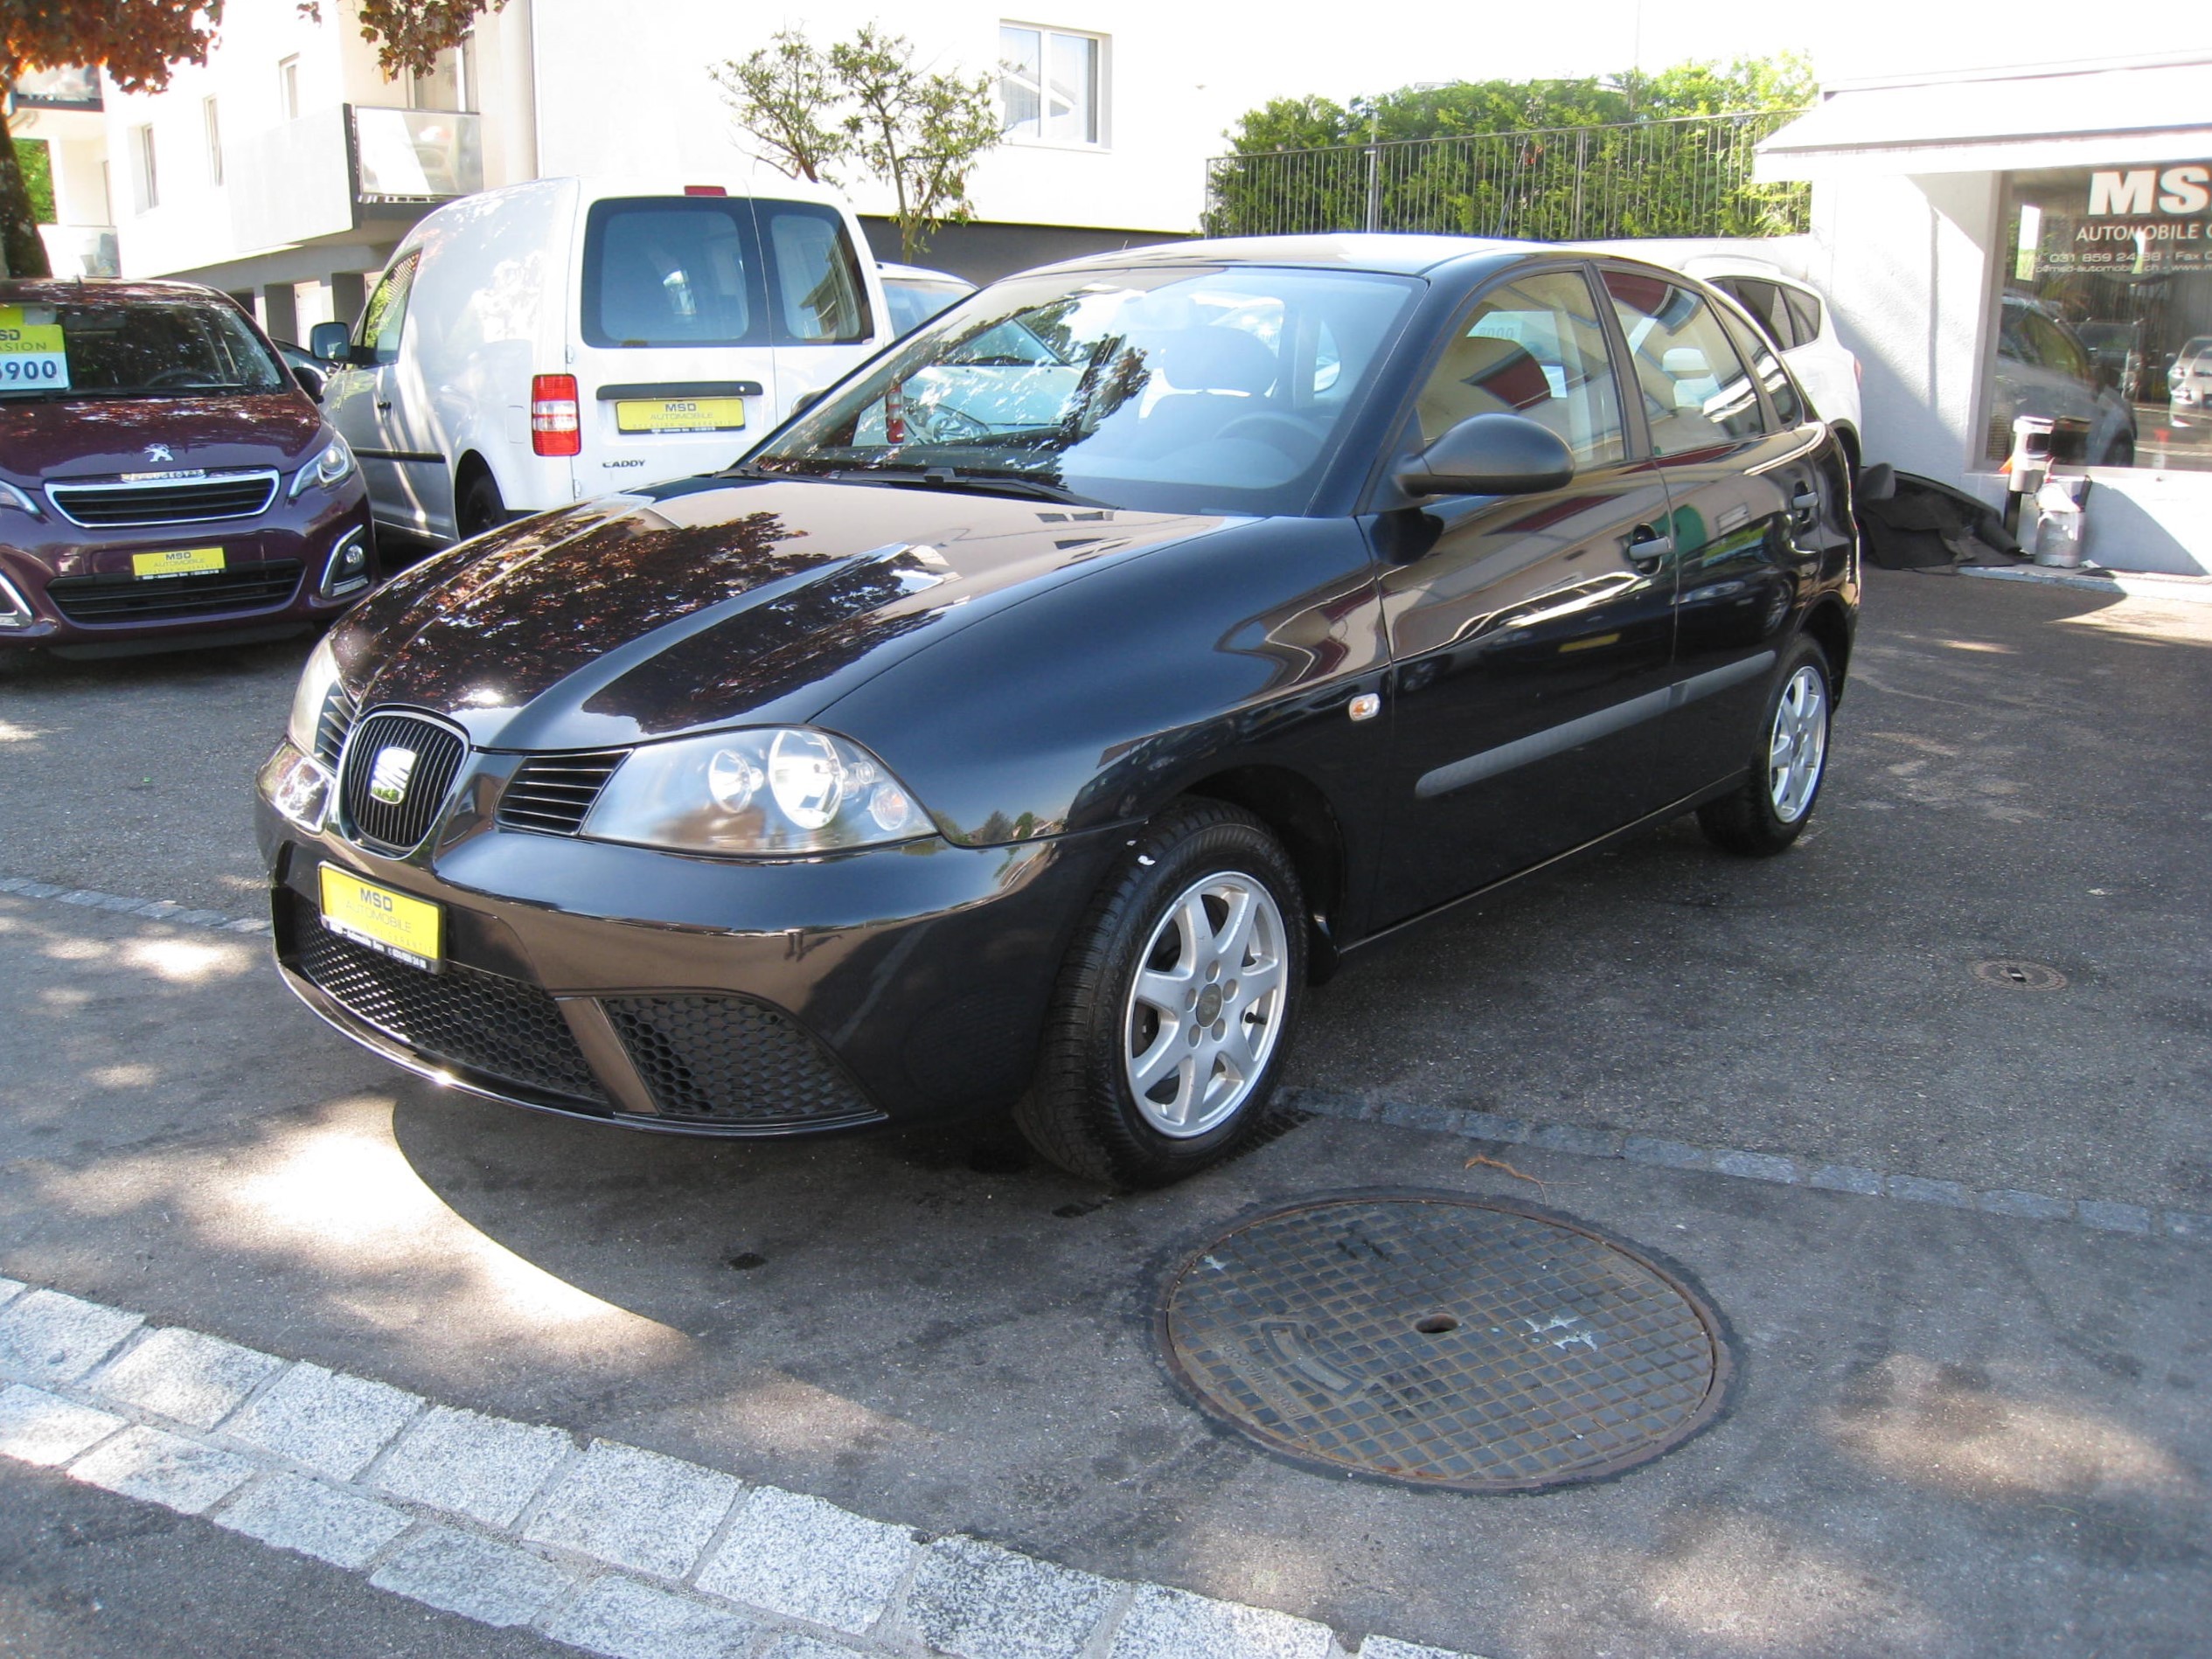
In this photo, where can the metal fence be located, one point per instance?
(1688, 177)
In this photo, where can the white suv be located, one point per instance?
(1798, 322)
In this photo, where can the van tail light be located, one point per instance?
(555, 429)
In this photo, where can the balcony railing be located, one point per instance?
(312, 177)
(1690, 177)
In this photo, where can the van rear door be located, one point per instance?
(687, 306)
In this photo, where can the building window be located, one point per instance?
(451, 84)
(1052, 84)
(214, 140)
(145, 175)
(2105, 319)
(288, 87)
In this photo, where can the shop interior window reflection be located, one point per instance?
(2106, 313)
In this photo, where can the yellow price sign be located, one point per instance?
(177, 561)
(32, 352)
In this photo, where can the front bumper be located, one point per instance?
(68, 586)
(699, 995)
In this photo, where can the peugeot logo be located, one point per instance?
(160, 452)
(388, 775)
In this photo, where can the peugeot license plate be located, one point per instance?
(407, 930)
(177, 561)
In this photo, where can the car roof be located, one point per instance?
(78, 290)
(1387, 252)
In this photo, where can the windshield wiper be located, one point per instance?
(972, 480)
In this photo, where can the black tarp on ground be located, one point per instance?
(1926, 522)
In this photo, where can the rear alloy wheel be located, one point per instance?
(482, 506)
(1782, 785)
(1175, 1003)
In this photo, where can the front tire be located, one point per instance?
(1781, 786)
(1175, 1005)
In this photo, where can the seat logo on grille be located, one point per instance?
(388, 775)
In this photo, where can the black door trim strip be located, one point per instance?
(396, 454)
(1588, 728)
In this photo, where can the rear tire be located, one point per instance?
(1788, 762)
(480, 507)
(1175, 1004)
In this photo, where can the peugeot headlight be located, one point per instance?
(327, 468)
(316, 681)
(10, 496)
(788, 790)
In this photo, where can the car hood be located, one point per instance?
(709, 603)
(99, 437)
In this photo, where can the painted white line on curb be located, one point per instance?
(612, 1549)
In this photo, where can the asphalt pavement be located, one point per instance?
(1952, 1431)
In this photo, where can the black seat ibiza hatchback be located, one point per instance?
(1028, 723)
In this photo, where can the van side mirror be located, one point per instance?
(330, 343)
(804, 402)
(1877, 482)
(1490, 454)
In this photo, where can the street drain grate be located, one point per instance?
(1444, 1340)
(2031, 976)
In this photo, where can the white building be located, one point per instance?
(288, 168)
(1990, 236)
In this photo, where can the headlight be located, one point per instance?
(298, 786)
(327, 468)
(10, 496)
(316, 680)
(779, 790)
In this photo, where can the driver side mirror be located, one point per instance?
(1490, 454)
(330, 343)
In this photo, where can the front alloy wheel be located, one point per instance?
(1173, 1007)
(1205, 1012)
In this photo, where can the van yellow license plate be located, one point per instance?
(405, 929)
(679, 414)
(177, 561)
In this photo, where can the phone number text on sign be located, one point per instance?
(31, 350)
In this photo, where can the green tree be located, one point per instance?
(36, 159)
(785, 96)
(918, 132)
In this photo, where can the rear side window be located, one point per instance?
(1781, 390)
(386, 315)
(1763, 301)
(661, 270)
(821, 298)
(1805, 313)
(1697, 393)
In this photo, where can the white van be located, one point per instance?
(550, 342)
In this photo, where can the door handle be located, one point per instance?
(1805, 502)
(1646, 547)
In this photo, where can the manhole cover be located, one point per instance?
(1444, 1341)
(2034, 976)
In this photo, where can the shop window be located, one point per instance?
(2108, 289)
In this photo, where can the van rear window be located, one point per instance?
(661, 271)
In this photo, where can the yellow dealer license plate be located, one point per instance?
(405, 929)
(680, 414)
(177, 561)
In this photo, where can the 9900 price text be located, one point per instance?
(30, 370)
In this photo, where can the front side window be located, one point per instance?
(1050, 84)
(1534, 347)
(1697, 393)
(386, 315)
(143, 350)
(1174, 390)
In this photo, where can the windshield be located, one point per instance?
(1217, 389)
(137, 350)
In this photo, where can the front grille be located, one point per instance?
(399, 826)
(160, 598)
(332, 725)
(555, 792)
(179, 501)
(505, 1029)
(723, 1059)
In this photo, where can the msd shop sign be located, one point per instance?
(2142, 220)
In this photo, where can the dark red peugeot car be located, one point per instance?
(164, 477)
